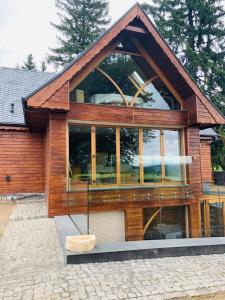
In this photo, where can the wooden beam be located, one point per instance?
(93, 154)
(151, 219)
(136, 29)
(106, 52)
(118, 167)
(141, 165)
(115, 84)
(141, 89)
(124, 51)
(154, 66)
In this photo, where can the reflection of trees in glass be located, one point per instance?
(129, 142)
(80, 148)
(119, 68)
(169, 98)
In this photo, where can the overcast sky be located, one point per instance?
(25, 28)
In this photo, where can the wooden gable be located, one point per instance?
(135, 27)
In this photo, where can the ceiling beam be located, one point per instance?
(136, 29)
(127, 52)
(154, 66)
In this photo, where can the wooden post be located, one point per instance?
(134, 224)
(194, 217)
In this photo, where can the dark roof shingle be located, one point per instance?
(14, 85)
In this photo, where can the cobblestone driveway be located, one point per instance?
(31, 267)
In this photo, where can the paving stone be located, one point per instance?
(32, 267)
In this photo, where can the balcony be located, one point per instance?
(136, 181)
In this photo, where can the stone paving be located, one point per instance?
(25, 211)
(31, 267)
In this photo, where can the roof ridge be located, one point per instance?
(28, 71)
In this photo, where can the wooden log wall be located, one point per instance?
(56, 163)
(132, 116)
(193, 149)
(134, 224)
(206, 161)
(22, 158)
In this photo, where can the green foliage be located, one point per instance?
(43, 66)
(195, 30)
(29, 63)
(218, 150)
(81, 22)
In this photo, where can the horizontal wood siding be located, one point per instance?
(193, 149)
(206, 162)
(134, 224)
(132, 116)
(204, 116)
(190, 105)
(56, 161)
(22, 158)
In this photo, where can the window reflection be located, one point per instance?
(79, 153)
(172, 152)
(101, 86)
(151, 155)
(129, 158)
(169, 223)
(105, 155)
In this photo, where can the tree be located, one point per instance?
(81, 22)
(29, 63)
(195, 31)
(43, 66)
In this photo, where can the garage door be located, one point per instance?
(107, 226)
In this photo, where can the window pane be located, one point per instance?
(157, 96)
(79, 153)
(216, 219)
(105, 155)
(151, 155)
(169, 223)
(129, 159)
(172, 155)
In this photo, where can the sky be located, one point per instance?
(25, 28)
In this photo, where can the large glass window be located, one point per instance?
(216, 219)
(79, 154)
(129, 155)
(172, 155)
(105, 155)
(151, 155)
(165, 223)
(123, 81)
(123, 155)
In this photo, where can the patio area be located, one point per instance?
(32, 267)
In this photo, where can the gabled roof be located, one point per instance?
(158, 50)
(14, 85)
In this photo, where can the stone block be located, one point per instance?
(80, 243)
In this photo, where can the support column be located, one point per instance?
(56, 165)
(134, 224)
(194, 217)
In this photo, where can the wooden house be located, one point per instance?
(117, 134)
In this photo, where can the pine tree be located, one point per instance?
(43, 66)
(81, 22)
(195, 31)
(29, 63)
